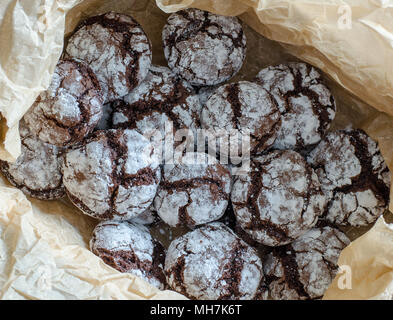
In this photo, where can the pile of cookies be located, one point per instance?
(272, 231)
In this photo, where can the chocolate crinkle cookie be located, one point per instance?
(212, 263)
(304, 269)
(70, 108)
(204, 48)
(130, 248)
(194, 191)
(279, 199)
(161, 98)
(37, 171)
(242, 108)
(305, 102)
(354, 176)
(113, 174)
(116, 48)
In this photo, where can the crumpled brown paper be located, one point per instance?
(370, 262)
(44, 255)
(44, 245)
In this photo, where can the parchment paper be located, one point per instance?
(44, 245)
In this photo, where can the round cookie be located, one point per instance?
(161, 98)
(116, 48)
(304, 269)
(128, 247)
(279, 199)
(204, 48)
(70, 108)
(354, 176)
(306, 104)
(212, 263)
(37, 171)
(113, 174)
(243, 107)
(193, 192)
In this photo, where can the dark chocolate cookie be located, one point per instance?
(306, 104)
(212, 263)
(37, 171)
(128, 247)
(116, 48)
(193, 192)
(70, 108)
(279, 199)
(246, 108)
(354, 176)
(304, 269)
(161, 98)
(204, 48)
(112, 174)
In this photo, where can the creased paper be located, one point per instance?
(369, 273)
(44, 255)
(44, 245)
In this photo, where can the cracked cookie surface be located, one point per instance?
(204, 48)
(211, 262)
(279, 199)
(70, 108)
(304, 269)
(130, 248)
(246, 108)
(112, 174)
(354, 176)
(306, 104)
(161, 98)
(193, 192)
(116, 48)
(37, 171)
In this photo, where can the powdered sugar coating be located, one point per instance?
(247, 108)
(70, 108)
(130, 248)
(160, 98)
(116, 48)
(353, 175)
(305, 268)
(211, 262)
(37, 170)
(279, 199)
(113, 175)
(305, 102)
(193, 192)
(204, 48)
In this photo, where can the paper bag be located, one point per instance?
(44, 244)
